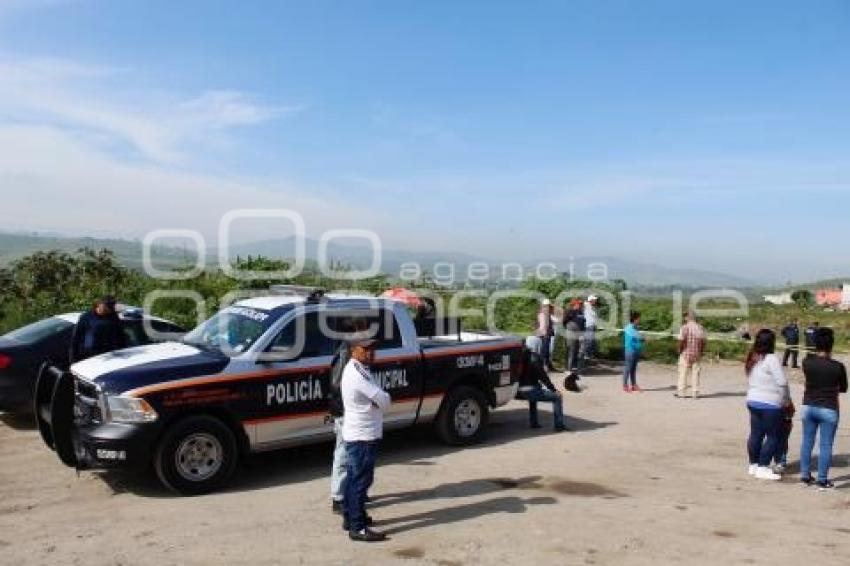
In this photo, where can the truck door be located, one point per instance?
(296, 394)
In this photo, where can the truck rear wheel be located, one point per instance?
(463, 417)
(196, 455)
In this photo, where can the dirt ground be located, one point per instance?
(642, 479)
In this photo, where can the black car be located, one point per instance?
(23, 351)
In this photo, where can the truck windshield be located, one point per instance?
(232, 330)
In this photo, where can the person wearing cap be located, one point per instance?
(535, 386)
(591, 319)
(364, 404)
(545, 331)
(97, 331)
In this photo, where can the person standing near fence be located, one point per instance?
(545, 331)
(692, 343)
(767, 395)
(591, 321)
(573, 329)
(825, 379)
(632, 346)
(791, 333)
(811, 330)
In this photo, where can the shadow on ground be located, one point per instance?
(549, 490)
(458, 513)
(416, 446)
(18, 421)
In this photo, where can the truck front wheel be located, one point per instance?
(196, 455)
(463, 416)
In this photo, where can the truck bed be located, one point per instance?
(465, 338)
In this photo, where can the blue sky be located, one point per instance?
(707, 134)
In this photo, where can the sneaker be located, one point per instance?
(825, 485)
(627, 389)
(337, 507)
(807, 481)
(369, 522)
(636, 389)
(765, 473)
(753, 468)
(780, 468)
(561, 428)
(367, 535)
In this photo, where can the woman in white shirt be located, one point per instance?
(767, 394)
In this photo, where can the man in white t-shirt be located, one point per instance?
(591, 320)
(363, 427)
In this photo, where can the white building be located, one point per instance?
(845, 296)
(785, 298)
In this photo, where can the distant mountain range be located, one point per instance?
(129, 253)
(14, 246)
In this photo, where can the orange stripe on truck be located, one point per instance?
(218, 378)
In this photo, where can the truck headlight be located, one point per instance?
(129, 410)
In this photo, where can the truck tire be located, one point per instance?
(196, 455)
(463, 416)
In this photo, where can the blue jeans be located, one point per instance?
(630, 369)
(340, 466)
(545, 351)
(589, 344)
(826, 420)
(781, 455)
(765, 427)
(360, 475)
(538, 394)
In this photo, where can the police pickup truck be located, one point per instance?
(255, 377)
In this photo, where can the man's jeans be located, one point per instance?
(765, 428)
(361, 474)
(588, 345)
(539, 394)
(338, 470)
(791, 352)
(545, 352)
(630, 369)
(574, 355)
(688, 373)
(826, 420)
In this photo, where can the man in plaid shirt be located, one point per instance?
(691, 346)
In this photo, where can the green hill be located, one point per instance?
(127, 252)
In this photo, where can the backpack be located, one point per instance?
(335, 405)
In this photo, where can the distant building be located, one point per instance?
(845, 296)
(830, 297)
(780, 299)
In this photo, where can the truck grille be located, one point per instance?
(87, 408)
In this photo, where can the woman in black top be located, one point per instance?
(825, 379)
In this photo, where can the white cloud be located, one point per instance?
(50, 179)
(155, 126)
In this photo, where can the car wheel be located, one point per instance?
(196, 455)
(463, 416)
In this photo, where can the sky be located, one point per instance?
(703, 134)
